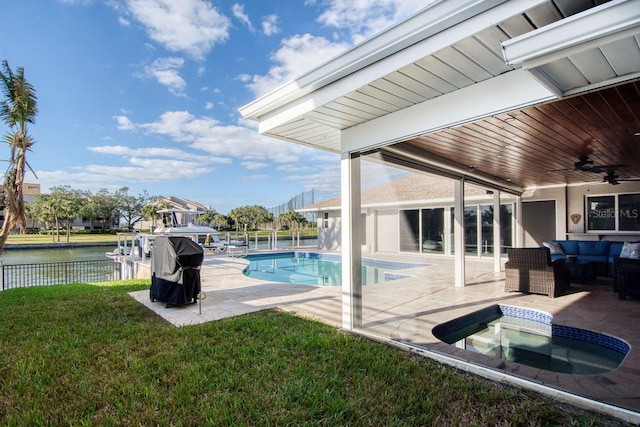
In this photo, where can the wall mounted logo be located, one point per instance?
(575, 218)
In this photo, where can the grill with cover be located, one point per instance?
(175, 270)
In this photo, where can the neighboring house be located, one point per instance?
(30, 191)
(180, 205)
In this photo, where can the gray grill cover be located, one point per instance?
(175, 270)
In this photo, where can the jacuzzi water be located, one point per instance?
(310, 268)
(529, 337)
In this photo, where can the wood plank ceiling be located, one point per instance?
(539, 145)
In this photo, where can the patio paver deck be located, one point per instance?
(407, 311)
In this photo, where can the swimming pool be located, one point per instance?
(528, 337)
(311, 268)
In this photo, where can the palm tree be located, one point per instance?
(17, 109)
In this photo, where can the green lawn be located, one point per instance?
(90, 355)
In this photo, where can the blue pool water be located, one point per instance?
(310, 268)
(528, 337)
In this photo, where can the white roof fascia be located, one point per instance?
(586, 30)
(426, 32)
(428, 21)
(448, 110)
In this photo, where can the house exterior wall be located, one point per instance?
(382, 225)
(329, 230)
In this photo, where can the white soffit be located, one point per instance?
(474, 102)
(431, 20)
(582, 52)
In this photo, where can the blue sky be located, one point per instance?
(145, 93)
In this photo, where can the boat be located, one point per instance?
(185, 225)
(176, 222)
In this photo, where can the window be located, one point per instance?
(325, 220)
(620, 212)
(629, 212)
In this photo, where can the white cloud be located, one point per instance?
(165, 71)
(96, 176)
(325, 178)
(365, 17)
(254, 165)
(238, 12)
(73, 2)
(158, 152)
(296, 55)
(208, 105)
(189, 26)
(124, 123)
(210, 136)
(270, 25)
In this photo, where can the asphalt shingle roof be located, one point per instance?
(412, 187)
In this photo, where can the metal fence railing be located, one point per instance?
(59, 273)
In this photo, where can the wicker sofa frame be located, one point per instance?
(531, 270)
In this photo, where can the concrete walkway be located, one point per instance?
(403, 312)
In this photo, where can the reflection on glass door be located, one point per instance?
(471, 229)
(484, 242)
(409, 230)
(487, 228)
(506, 229)
(433, 230)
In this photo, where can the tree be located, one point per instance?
(102, 207)
(220, 221)
(250, 216)
(17, 110)
(67, 204)
(130, 207)
(205, 217)
(150, 211)
(41, 208)
(61, 206)
(293, 219)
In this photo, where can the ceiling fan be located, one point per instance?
(585, 164)
(614, 179)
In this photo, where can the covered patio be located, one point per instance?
(536, 99)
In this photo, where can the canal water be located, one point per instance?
(34, 256)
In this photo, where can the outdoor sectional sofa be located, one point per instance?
(602, 252)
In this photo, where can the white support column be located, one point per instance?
(448, 229)
(517, 219)
(351, 242)
(497, 222)
(479, 242)
(458, 232)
